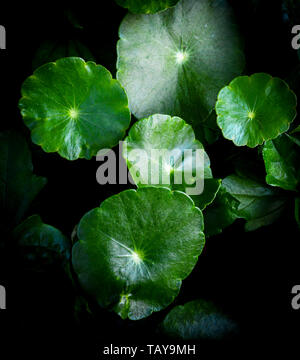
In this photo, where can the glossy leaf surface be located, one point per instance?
(175, 62)
(253, 109)
(74, 108)
(136, 248)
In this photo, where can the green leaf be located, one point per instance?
(146, 6)
(198, 320)
(211, 189)
(165, 143)
(282, 159)
(221, 213)
(52, 50)
(296, 130)
(259, 205)
(18, 185)
(136, 248)
(41, 245)
(74, 108)
(175, 62)
(255, 108)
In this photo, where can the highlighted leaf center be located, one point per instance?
(73, 113)
(251, 115)
(136, 257)
(181, 57)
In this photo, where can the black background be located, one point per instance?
(249, 275)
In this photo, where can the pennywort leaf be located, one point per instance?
(175, 62)
(74, 108)
(160, 151)
(253, 109)
(136, 248)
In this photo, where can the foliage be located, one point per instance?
(179, 74)
(198, 320)
(175, 62)
(74, 108)
(140, 262)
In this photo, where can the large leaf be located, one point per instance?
(221, 213)
(74, 108)
(146, 6)
(18, 185)
(160, 151)
(42, 245)
(259, 205)
(198, 320)
(254, 109)
(282, 161)
(134, 250)
(175, 62)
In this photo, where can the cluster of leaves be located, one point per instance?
(178, 73)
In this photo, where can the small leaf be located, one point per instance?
(198, 320)
(259, 205)
(282, 159)
(221, 213)
(18, 185)
(254, 109)
(74, 108)
(136, 248)
(175, 62)
(146, 6)
(166, 142)
(41, 245)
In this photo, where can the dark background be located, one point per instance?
(249, 275)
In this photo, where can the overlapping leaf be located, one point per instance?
(161, 151)
(136, 248)
(175, 62)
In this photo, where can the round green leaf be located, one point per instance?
(175, 62)
(169, 146)
(136, 248)
(74, 108)
(282, 158)
(254, 109)
(146, 6)
(198, 320)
